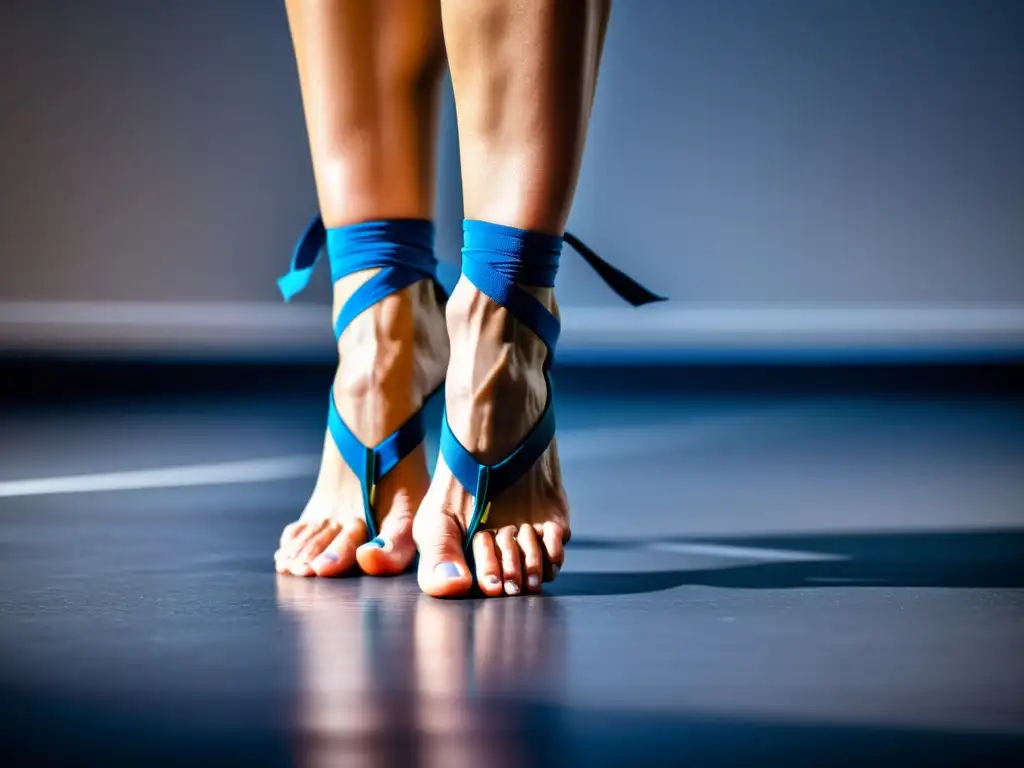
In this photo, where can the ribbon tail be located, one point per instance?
(294, 282)
(625, 286)
(304, 259)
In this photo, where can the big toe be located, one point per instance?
(442, 571)
(391, 552)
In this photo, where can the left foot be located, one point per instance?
(495, 393)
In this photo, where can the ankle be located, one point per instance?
(474, 318)
(401, 338)
(491, 333)
(495, 385)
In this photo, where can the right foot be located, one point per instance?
(390, 359)
(495, 393)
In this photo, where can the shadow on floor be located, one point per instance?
(973, 560)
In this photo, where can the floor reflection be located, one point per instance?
(389, 675)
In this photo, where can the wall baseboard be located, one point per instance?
(301, 331)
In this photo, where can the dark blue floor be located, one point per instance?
(819, 576)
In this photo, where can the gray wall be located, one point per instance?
(795, 172)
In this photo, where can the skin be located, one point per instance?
(370, 76)
(524, 75)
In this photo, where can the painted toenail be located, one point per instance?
(554, 570)
(533, 580)
(330, 557)
(447, 571)
(511, 588)
(493, 581)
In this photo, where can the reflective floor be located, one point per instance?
(811, 577)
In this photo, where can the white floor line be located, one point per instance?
(742, 553)
(224, 473)
(575, 445)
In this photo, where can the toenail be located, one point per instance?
(511, 588)
(533, 580)
(447, 571)
(554, 570)
(492, 581)
(330, 557)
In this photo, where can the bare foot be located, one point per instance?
(495, 393)
(390, 358)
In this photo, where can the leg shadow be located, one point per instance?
(967, 560)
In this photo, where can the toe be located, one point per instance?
(443, 571)
(315, 544)
(511, 560)
(339, 555)
(553, 536)
(290, 532)
(393, 549)
(290, 549)
(488, 564)
(293, 540)
(533, 557)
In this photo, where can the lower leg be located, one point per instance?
(370, 79)
(524, 77)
